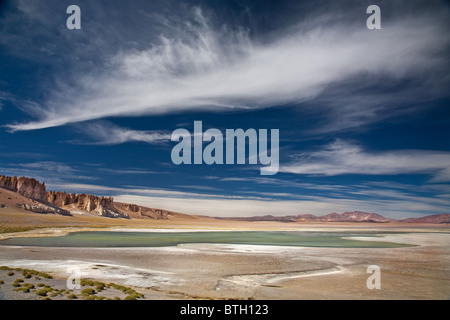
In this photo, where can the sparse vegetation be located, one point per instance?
(100, 287)
(45, 291)
(13, 229)
(88, 292)
(134, 296)
(72, 296)
(24, 290)
(28, 285)
(25, 287)
(27, 273)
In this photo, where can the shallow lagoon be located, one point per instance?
(111, 239)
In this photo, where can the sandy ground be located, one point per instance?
(219, 271)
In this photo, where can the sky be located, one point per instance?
(363, 114)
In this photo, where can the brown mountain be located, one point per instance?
(355, 216)
(139, 212)
(435, 218)
(297, 218)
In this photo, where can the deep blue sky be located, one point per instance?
(363, 115)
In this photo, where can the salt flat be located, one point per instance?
(210, 271)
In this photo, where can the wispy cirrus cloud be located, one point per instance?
(204, 67)
(107, 133)
(46, 171)
(341, 157)
(142, 191)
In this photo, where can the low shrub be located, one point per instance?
(88, 292)
(28, 285)
(43, 292)
(99, 287)
(23, 289)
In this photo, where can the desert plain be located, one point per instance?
(419, 270)
(231, 271)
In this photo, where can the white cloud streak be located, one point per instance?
(44, 171)
(221, 69)
(397, 209)
(78, 187)
(344, 158)
(389, 204)
(106, 133)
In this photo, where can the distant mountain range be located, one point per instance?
(35, 198)
(354, 216)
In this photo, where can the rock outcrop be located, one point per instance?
(102, 206)
(44, 209)
(51, 201)
(27, 187)
(34, 190)
(137, 211)
(132, 207)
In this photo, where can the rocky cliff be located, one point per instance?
(51, 201)
(102, 206)
(28, 187)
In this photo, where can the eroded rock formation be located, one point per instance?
(28, 187)
(51, 201)
(102, 206)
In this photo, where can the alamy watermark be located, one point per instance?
(74, 20)
(374, 21)
(374, 281)
(234, 140)
(74, 280)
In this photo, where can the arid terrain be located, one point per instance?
(214, 271)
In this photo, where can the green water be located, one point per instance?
(108, 239)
